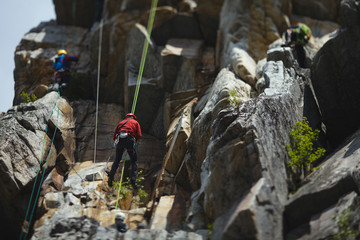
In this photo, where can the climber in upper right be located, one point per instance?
(297, 37)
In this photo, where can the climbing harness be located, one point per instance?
(122, 134)
(27, 224)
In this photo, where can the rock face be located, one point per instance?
(26, 135)
(251, 27)
(335, 190)
(36, 52)
(241, 154)
(85, 228)
(340, 78)
(109, 116)
(319, 9)
(216, 100)
(209, 18)
(216, 103)
(80, 13)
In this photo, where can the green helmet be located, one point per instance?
(303, 34)
(305, 30)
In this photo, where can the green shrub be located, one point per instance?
(126, 188)
(27, 98)
(235, 97)
(210, 227)
(345, 231)
(301, 148)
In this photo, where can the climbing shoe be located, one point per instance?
(133, 184)
(55, 87)
(110, 181)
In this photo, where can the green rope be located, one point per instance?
(118, 194)
(142, 64)
(145, 49)
(37, 174)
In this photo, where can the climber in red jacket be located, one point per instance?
(126, 134)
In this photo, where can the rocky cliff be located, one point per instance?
(217, 101)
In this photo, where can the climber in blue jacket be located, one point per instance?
(62, 66)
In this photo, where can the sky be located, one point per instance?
(17, 17)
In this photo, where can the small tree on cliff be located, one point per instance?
(301, 150)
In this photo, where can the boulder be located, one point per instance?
(180, 60)
(134, 48)
(208, 13)
(246, 145)
(324, 225)
(251, 27)
(75, 12)
(177, 156)
(248, 218)
(335, 78)
(187, 6)
(27, 132)
(109, 115)
(183, 26)
(217, 100)
(112, 61)
(165, 213)
(243, 65)
(52, 35)
(179, 149)
(87, 228)
(318, 9)
(337, 177)
(163, 15)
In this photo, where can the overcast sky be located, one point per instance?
(17, 17)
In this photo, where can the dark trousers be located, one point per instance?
(129, 144)
(301, 55)
(62, 78)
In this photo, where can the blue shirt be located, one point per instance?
(64, 61)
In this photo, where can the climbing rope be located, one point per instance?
(26, 224)
(142, 64)
(98, 86)
(144, 52)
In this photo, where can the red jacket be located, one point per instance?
(132, 127)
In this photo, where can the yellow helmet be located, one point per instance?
(62, 51)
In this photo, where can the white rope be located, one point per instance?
(97, 90)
